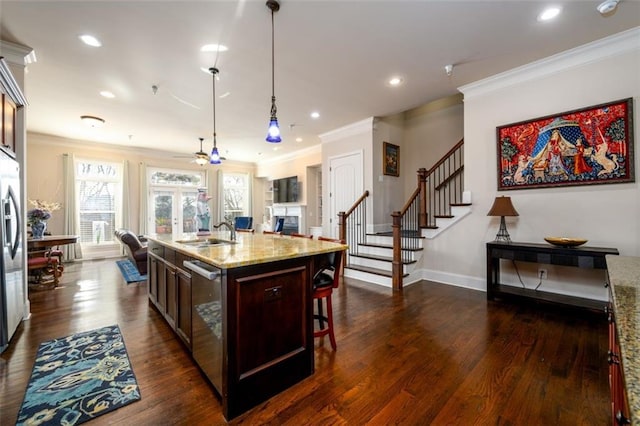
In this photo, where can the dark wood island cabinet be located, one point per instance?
(249, 325)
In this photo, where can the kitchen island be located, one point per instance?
(242, 308)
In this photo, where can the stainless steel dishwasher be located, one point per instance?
(207, 319)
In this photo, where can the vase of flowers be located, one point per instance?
(37, 217)
(37, 220)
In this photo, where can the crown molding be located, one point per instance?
(357, 128)
(598, 50)
(315, 149)
(17, 53)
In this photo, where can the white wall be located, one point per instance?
(606, 215)
(349, 139)
(430, 132)
(387, 192)
(44, 171)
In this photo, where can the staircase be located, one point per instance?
(371, 256)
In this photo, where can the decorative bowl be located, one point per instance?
(565, 241)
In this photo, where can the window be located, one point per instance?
(236, 195)
(99, 201)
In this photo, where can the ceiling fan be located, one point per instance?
(200, 157)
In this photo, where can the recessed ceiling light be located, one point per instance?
(275, 148)
(107, 94)
(91, 121)
(395, 81)
(214, 48)
(90, 40)
(549, 13)
(298, 139)
(315, 114)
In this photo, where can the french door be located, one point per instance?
(172, 212)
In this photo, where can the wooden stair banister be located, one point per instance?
(415, 213)
(353, 234)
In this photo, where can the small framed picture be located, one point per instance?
(390, 159)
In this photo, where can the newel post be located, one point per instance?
(396, 263)
(342, 226)
(422, 184)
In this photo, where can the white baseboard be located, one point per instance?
(457, 280)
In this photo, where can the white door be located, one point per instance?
(173, 212)
(345, 186)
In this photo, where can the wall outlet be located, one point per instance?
(542, 274)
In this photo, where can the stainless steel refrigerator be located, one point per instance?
(11, 262)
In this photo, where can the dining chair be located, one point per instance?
(325, 279)
(243, 222)
(295, 234)
(248, 231)
(279, 225)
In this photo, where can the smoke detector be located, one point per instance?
(607, 6)
(448, 69)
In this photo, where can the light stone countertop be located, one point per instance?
(248, 249)
(624, 278)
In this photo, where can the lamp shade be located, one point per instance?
(215, 156)
(273, 135)
(502, 207)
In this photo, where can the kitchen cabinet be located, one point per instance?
(8, 113)
(170, 289)
(619, 406)
(623, 314)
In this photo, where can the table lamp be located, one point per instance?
(502, 207)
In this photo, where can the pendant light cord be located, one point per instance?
(213, 74)
(273, 72)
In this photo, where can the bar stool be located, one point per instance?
(249, 231)
(326, 278)
(297, 235)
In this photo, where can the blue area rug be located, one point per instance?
(129, 271)
(79, 377)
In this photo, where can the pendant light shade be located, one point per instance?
(215, 155)
(273, 135)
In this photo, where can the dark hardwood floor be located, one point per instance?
(435, 354)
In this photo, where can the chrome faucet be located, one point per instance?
(231, 229)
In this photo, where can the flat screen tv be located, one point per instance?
(285, 190)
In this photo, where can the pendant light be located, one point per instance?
(273, 135)
(215, 155)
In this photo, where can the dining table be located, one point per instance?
(49, 241)
(45, 257)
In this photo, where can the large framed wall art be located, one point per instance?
(592, 145)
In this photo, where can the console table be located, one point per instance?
(580, 257)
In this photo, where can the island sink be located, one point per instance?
(205, 242)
